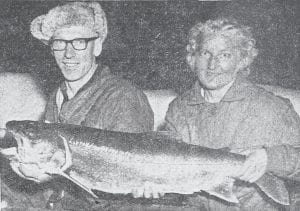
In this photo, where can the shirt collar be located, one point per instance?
(240, 89)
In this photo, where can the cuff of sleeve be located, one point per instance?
(276, 158)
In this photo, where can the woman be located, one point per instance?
(225, 110)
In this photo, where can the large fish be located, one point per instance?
(116, 162)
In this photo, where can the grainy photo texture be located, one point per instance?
(150, 105)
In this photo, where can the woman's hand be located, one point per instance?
(255, 165)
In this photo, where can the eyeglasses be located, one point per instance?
(78, 44)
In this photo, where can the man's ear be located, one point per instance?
(190, 60)
(98, 47)
(243, 63)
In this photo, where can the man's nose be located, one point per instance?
(212, 63)
(69, 51)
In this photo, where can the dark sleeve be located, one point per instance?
(284, 161)
(171, 118)
(51, 112)
(176, 121)
(130, 112)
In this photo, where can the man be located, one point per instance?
(90, 94)
(225, 110)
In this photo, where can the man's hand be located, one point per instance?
(255, 165)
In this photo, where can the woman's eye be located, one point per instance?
(226, 55)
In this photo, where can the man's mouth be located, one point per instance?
(70, 64)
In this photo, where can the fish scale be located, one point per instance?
(117, 162)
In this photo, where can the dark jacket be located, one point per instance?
(247, 117)
(105, 102)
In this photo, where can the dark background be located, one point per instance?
(146, 40)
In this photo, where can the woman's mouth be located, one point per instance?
(209, 74)
(213, 73)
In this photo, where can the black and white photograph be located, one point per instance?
(162, 105)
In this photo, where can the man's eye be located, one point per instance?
(58, 43)
(79, 41)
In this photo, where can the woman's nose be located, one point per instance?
(212, 63)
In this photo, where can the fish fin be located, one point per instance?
(224, 190)
(68, 154)
(84, 187)
(275, 188)
(89, 190)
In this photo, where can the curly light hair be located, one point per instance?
(229, 28)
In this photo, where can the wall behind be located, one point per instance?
(146, 40)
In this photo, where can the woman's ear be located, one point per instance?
(98, 47)
(250, 52)
(250, 44)
(243, 63)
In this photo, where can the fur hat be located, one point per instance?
(87, 14)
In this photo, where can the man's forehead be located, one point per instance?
(74, 32)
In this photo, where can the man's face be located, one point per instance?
(217, 62)
(75, 64)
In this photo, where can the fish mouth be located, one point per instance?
(22, 144)
(18, 138)
(22, 158)
(10, 153)
(8, 148)
(15, 153)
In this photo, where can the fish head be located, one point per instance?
(38, 150)
(35, 143)
(33, 130)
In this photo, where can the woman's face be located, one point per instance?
(217, 62)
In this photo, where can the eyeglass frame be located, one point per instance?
(86, 41)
